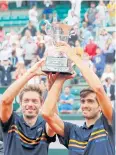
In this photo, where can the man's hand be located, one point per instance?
(36, 68)
(51, 79)
(59, 77)
(72, 53)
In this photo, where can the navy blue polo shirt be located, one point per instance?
(98, 139)
(21, 139)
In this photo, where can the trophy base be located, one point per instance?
(63, 70)
(57, 64)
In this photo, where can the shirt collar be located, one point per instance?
(38, 121)
(85, 126)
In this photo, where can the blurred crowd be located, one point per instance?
(95, 44)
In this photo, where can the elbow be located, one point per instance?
(6, 100)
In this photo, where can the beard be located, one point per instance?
(91, 116)
(29, 116)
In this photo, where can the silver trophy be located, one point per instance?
(58, 62)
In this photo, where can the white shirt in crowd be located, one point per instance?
(33, 15)
(71, 20)
(76, 6)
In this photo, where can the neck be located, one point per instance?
(90, 122)
(30, 121)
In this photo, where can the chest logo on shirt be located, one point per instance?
(39, 129)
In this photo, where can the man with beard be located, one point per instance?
(96, 136)
(28, 133)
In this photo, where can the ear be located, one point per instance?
(100, 110)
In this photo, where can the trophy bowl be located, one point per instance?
(58, 61)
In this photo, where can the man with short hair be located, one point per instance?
(28, 133)
(29, 27)
(66, 101)
(90, 15)
(97, 133)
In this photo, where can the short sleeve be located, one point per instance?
(67, 132)
(5, 126)
(49, 139)
(109, 127)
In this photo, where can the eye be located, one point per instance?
(35, 101)
(82, 101)
(90, 101)
(26, 100)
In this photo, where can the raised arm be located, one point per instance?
(50, 103)
(93, 81)
(6, 105)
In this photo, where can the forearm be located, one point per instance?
(52, 98)
(95, 83)
(15, 88)
(88, 74)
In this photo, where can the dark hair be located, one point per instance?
(85, 92)
(28, 88)
(13, 52)
(107, 79)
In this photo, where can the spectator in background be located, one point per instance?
(76, 6)
(79, 49)
(2, 34)
(101, 20)
(31, 28)
(107, 73)
(50, 18)
(90, 48)
(6, 68)
(99, 62)
(48, 7)
(29, 46)
(112, 12)
(85, 34)
(55, 18)
(43, 28)
(40, 49)
(73, 36)
(109, 52)
(33, 15)
(32, 3)
(20, 70)
(4, 5)
(102, 38)
(72, 19)
(83, 28)
(19, 51)
(66, 100)
(90, 15)
(109, 88)
(13, 36)
(13, 58)
(19, 3)
(114, 39)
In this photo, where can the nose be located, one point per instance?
(84, 105)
